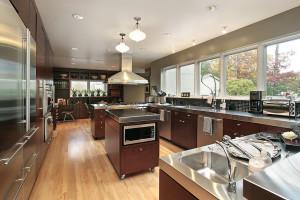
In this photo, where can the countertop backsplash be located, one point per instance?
(237, 105)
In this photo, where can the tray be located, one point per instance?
(291, 144)
(270, 136)
(270, 147)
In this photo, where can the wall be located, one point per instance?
(277, 26)
(134, 93)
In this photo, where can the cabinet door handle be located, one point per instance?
(182, 121)
(175, 113)
(15, 153)
(235, 134)
(141, 149)
(238, 124)
(30, 136)
(188, 115)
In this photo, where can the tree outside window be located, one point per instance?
(213, 66)
(283, 69)
(241, 73)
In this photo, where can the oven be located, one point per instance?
(286, 108)
(133, 134)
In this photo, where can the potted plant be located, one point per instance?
(103, 93)
(98, 92)
(86, 93)
(74, 92)
(92, 93)
(80, 92)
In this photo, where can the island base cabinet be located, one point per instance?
(170, 189)
(139, 157)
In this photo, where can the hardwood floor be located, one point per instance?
(77, 167)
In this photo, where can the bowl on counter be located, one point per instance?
(102, 77)
(63, 75)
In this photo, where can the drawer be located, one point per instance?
(139, 157)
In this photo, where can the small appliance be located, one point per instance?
(256, 103)
(140, 133)
(281, 107)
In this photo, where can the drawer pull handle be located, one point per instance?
(141, 149)
(14, 154)
(29, 168)
(30, 136)
(235, 134)
(238, 124)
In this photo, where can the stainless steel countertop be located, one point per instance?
(131, 115)
(281, 179)
(196, 184)
(116, 106)
(284, 122)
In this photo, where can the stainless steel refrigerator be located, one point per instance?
(18, 142)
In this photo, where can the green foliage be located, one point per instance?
(98, 91)
(92, 91)
(240, 87)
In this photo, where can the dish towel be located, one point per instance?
(208, 125)
(162, 115)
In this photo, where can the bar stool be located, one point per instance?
(70, 112)
(88, 110)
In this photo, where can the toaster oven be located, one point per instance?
(287, 108)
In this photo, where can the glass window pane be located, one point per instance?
(187, 79)
(170, 81)
(283, 69)
(205, 67)
(241, 73)
(79, 85)
(94, 85)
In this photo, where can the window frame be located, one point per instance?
(88, 84)
(261, 72)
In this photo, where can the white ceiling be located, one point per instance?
(97, 35)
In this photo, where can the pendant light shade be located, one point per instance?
(137, 35)
(122, 47)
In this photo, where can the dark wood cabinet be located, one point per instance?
(170, 189)
(132, 158)
(98, 124)
(40, 34)
(32, 19)
(235, 128)
(184, 129)
(22, 7)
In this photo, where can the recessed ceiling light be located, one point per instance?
(224, 29)
(212, 7)
(108, 50)
(74, 48)
(78, 16)
(113, 66)
(193, 42)
(142, 48)
(173, 51)
(167, 34)
(73, 58)
(72, 63)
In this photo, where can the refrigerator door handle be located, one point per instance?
(30, 136)
(7, 160)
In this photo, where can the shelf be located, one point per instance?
(66, 79)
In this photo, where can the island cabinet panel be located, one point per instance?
(170, 189)
(184, 129)
(235, 128)
(98, 124)
(139, 157)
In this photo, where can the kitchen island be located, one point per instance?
(131, 140)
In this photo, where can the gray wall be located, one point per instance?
(279, 25)
(134, 93)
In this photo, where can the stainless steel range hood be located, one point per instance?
(126, 76)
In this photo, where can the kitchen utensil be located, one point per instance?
(257, 147)
(270, 136)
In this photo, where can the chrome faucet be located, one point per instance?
(214, 93)
(231, 183)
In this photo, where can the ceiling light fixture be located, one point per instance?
(173, 51)
(224, 31)
(122, 47)
(193, 42)
(78, 16)
(212, 8)
(74, 48)
(72, 63)
(166, 34)
(137, 35)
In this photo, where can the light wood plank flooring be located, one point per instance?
(77, 167)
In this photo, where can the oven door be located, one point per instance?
(139, 133)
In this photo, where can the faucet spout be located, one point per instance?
(231, 183)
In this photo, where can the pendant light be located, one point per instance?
(122, 47)
(137, 35)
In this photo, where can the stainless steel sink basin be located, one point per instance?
(214, 166)
(180, 106)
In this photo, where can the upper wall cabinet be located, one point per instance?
(32, 19)
(40, 34)
(22, 7)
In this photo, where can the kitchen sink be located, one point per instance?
(180, 106)
(214, 166)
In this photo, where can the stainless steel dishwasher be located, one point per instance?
(164, 126)
(206, 139)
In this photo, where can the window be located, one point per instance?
(187, 78)
(170, 81)
(79, 85)
(94, 85)
(213, 66)
(283, 68)
(241, 73)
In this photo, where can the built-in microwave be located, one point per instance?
(133, 134)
